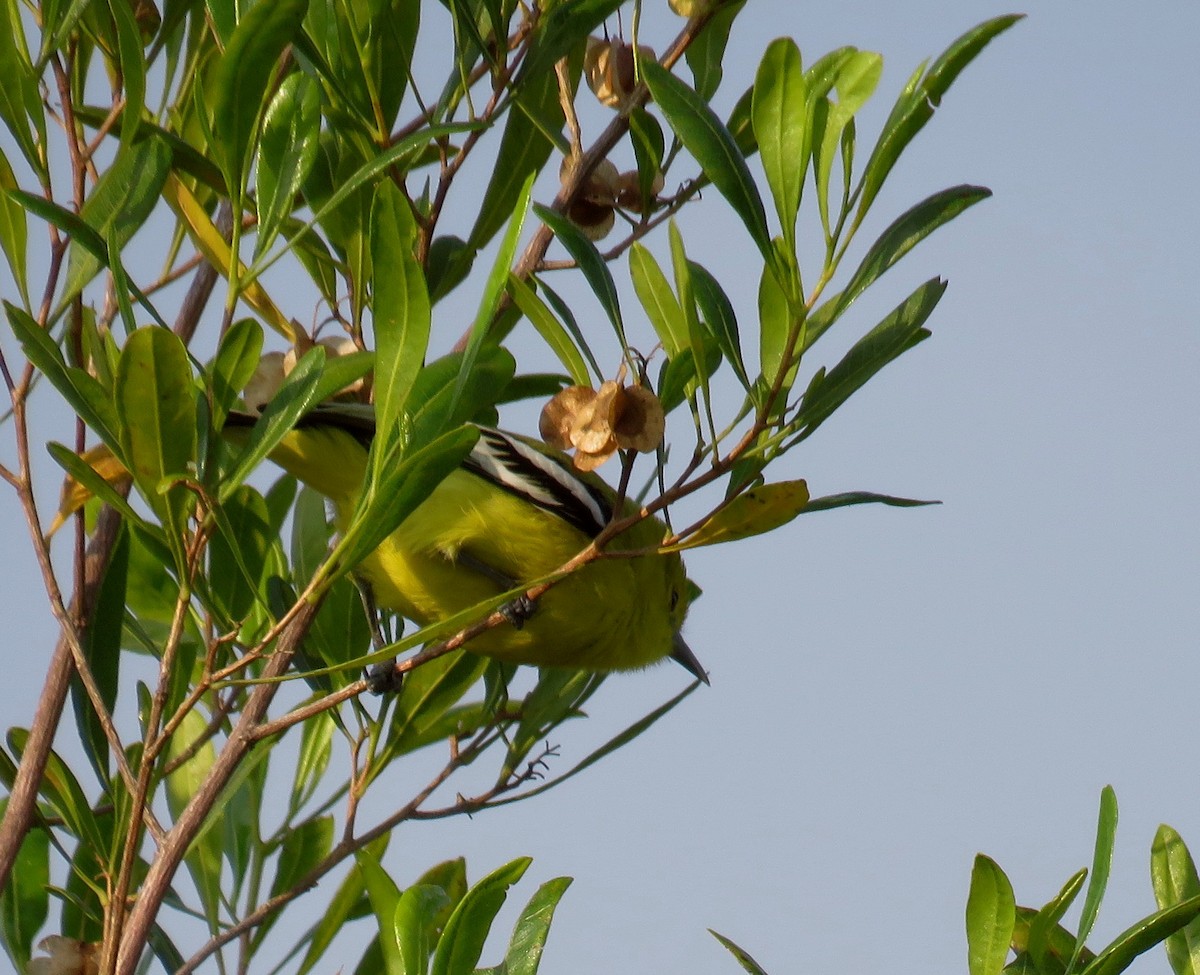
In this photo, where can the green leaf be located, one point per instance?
(904, 233)
(740, 954)
(716, 311)
(348, 903)
(919, 99)
(25, 898)
(646, 136)
(233, 366)
(427, 695)
(991, 917)
(712, 146)
(705, 54)
(567, 317)
(1174, 877)
(595, 269)
(197, 755)
(413, 926)
(550, 329)
(316, 748)
(562, 27)
(1143, 936)
(391, 39)
(62, 791)
(706, 354)
(102, 651)
(1106, 830)
(385, 899)
(847, 498)
(529, 935)
(287, 150)
(774, 325)
(558, 695)
(854, 76)
(462, 941)
(780, 115)
(493, 290)
(237, 554)
(133, 68)
(14, 230)
(524, 149)
(19, 98)
(298, 394)
(240, 81)
(450, 261)
(658, 300)
(304, 846)
(122, 199)
(401, 314)
(156, 402)
(1045, 933)
(895, 335)
(81, 391)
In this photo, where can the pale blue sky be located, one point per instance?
(895, 690)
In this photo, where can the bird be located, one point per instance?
(514, 510)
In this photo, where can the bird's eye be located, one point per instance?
(674, 599)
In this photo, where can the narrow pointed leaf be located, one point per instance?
(462, 941)
(1106, 830)
(919, 100)
(1143, 936)
(1044, 929)
(659, 301)
(780, 118)
(400, 310)
(593, 266)
(241, 78)
(896, 334)
(533, 927)
(550, 329)
(291, 127)
(741, 955)
(710, 143)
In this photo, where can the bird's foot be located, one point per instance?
(384, 678)
(518, 610)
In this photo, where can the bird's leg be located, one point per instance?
(382, 677)
(516, 611)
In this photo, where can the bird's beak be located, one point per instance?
(682, 653)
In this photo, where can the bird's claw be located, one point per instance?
(518, 610)
(383, 678)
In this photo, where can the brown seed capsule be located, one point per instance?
(629, 191)
(595, 424)
(610, 69)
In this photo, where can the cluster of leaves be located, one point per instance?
(1040, 945)
(249, 134)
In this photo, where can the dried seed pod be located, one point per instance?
(611, 71)
(629, 191)
(597, 423)
(592, 209)
(67, 956)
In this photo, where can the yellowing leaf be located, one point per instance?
(75, 495)
(215, 248)
(759, 510)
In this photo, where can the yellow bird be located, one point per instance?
(513, 511)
